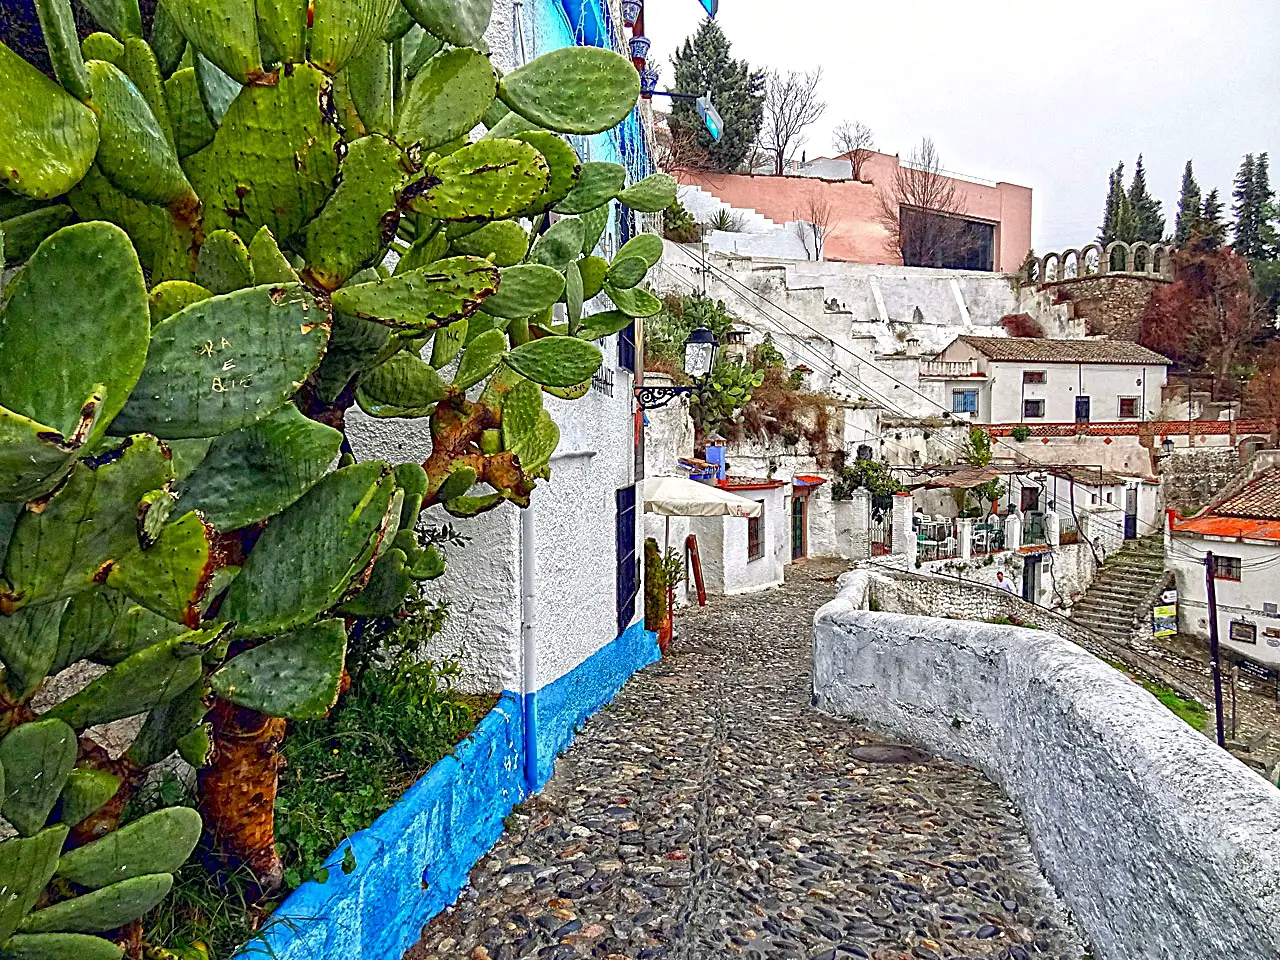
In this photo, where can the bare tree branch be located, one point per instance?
(813, 222)
(921, 210)
(791, 105)
(856, 143)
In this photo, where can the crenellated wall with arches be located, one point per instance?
(1152, 261)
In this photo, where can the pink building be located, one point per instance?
(997, 215)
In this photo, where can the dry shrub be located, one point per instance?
(1021, 325)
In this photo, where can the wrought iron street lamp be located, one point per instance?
(699, 360)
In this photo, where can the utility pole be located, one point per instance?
(1209, 567)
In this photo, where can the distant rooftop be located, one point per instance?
(1036, 350)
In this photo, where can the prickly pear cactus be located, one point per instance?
(235, 222)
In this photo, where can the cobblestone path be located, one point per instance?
(710, 813)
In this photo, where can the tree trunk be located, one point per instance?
(238, 790)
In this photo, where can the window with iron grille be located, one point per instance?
(755, 536)
(964, 401)
(1226, 568)
(1032, 409)
(1128, 407)
(1033, 376)
(628, 580)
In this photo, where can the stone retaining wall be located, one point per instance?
(1189, 479)
(1161, 844)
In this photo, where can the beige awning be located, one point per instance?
(682, 497)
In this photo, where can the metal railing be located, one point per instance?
(948, 368)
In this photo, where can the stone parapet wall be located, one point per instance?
(1110, 305)
(1112, 786)
(1189, 479)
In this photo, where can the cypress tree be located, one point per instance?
(1212, 228)
(1146, 208)
(703, 63)
(1245, 209)
(1111, 213)
(1188, 207)
(1264, 198)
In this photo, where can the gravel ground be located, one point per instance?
(710, 812)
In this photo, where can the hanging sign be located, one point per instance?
(1164, 616)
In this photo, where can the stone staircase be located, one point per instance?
(1116, 598)
(704, 205)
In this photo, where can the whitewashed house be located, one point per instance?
(1025, 380)
(1241, 528)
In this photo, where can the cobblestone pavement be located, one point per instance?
(709, 812)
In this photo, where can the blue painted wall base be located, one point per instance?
(414, 860)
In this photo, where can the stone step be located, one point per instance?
(1105, 619)
(1136, 594)
(1109, 604)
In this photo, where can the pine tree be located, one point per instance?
(1212, 228)
(1188, 207)
(1110, 215)
(1265, 199)
(1245, 209)
(703, 64)
(1146, 208)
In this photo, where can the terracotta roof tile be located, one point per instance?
(1035, 350)
(1259, 500)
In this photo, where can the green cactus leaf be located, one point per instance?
(85, 793)
(521, 408)
(159, 842)
(283, 25)
(224, 31)
(50, 137)
(269, 264)
(456, 484)
(635, 302)
(422, 299)
(226, 362)
(448, 342)
(54, 552)
(273, 160)
(403, 381)
(447, 98)
(26, 867)
(12, 205)
(418, 49)
(120, 18)
(534, 449)
(562, 161)
(354, 346)
(187, 455)
(573, 89)
(480, 358)
(606, 324)
(172, 575)
(560, 245)
(411, 478)
(494, 115)
(58, 24)
(400, 24)
(94, 198)
(653, 194)
(594, 224)
(141, 67)
(295, 675)
(646, 246)
(167, 724)
(196, 747)
(503, 242)
(102, 46)
(254, 473)
(101, 910)
(576, 392)
(510, 125)
(29, 646)
(370, 85)
(353, 228)
(594, 270)
(107, 626)
(37, 757)
(167, 41)
(311, 551)
(152, 676)
(134, 152)
(224, 263)
(525, 290)
(169, 297)
(460, 22)
(598, 183)
(425, 564)
(625, 272)
(384, 594)
(217, 90)
(487, 180)
(60, 946)
(472, 506)
(84, 286)
(342, 30)
(573, 296)
(34, 457)
(556, 361)
(426, 249)
(25, 232)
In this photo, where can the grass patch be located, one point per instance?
(1190, 711)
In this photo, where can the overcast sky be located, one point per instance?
(1050, 95)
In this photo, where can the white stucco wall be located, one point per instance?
(1241, 600)
(1112, 786)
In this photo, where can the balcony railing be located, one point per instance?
(950, 369)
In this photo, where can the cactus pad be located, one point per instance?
(573, 295)
(624, 273)
(560, 245)
(480, 358)
(101, 910)
(534, 449)
(253, 473)
(34, 457)
(269, 264)
(58, 25)
(283, 25)
(447, 342)
(342, 30)
(26, 866)
(634, 302)
(172, 575)
(405, 381)
(388, 585)
(460, 22)
(29, 646)
(159, 842)
(419, 300)
(169, 297)
(653, 194)
(598, 183)
(594, 270)
(167, 724)
(646, 246)
(108, 626)
(23, 233)
(304, 560)
(295, 675)
(85, 792)
(487, 180)
(447, 98)
(605, 324)
(354, 345)
(224, 263)
(556, 361)
(37, 758)
(226, 362)
(60, 946)
(50, 137)
(573, 90)
(563, 161)
(503, 242)
(525, 290)
(224, 31)
(594, 224)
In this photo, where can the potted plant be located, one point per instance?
(657, 606)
